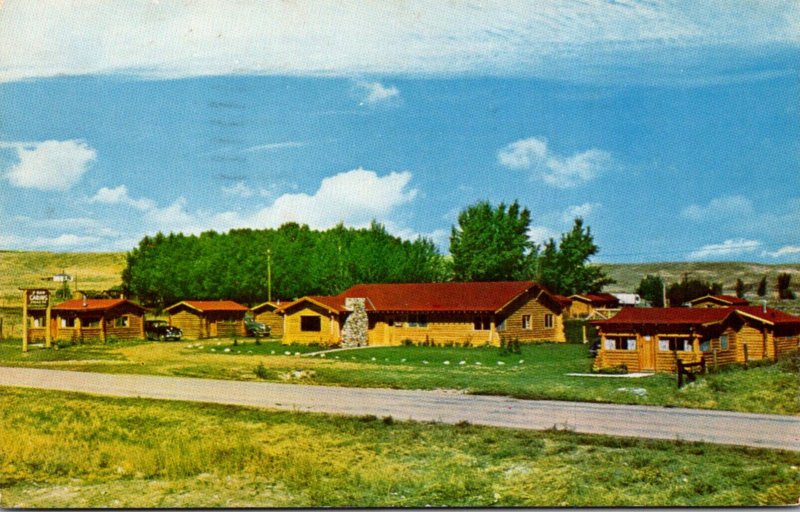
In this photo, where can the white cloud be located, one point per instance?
(555, 39)
(238, 189)
(532, 154)
(119, 195)
(65, 241)
(376, 92)
(274, 146)
(541, 234)
(719, 208)
(582, 211)
(726, 249)
(49, 165)
(788, 250)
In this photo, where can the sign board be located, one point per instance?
(38, 299)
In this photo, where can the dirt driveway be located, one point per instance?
(720, 427)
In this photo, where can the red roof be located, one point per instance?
(484, 297)
(724, 299)
(207, 306)
(695, 316)
(472, 296)
(664, 316)
(772, 316)
(93, 304)
(597, 299)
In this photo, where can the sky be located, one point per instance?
(671, 127)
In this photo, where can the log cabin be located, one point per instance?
(266, 314)
(653, 339)
(93, 320)
(474, 313)
(200, 319)
(718, 301)
(588, 304)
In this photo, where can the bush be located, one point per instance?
(408, 343)
(573, 330)
(616, 370)
(261, 371)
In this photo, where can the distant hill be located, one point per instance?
(101, 271)
(628, 275)
(25, 269)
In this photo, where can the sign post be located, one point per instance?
(35, 300)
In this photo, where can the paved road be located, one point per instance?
(759, 430)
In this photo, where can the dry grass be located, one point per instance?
(71, 450)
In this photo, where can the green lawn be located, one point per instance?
(538, 372)
(71, 450)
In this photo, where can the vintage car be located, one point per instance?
(161, 330)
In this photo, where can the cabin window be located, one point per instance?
(705, 346)
(675, 344)
(38, 321)
(310, 323)
(526, 322)
(418, 321)
(723, 342)
(620, 343)
(68, 322)
(481, 323)
(502, 325)
(91, 323)
(548, 321)
(122, 321)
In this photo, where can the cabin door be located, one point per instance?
(647, 353)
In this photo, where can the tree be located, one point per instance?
(739, 288)
(784, 286)
(651, 289)
(686, 290)
(492, 244)
(762, 287)
(566, 269)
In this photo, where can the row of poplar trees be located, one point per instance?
(490, 243)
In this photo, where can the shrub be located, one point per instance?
(621, 369)
(408, 343)
(388, 420)
(261, 371)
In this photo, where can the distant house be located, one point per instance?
(718, 301)
(473, 313)
(62, 278)
(628, 299)
(587, 304)
(653, 339)
(266, 314)
(91, 319)
(200, 319)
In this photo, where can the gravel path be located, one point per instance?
(720, 427)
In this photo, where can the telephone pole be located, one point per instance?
(269, 275)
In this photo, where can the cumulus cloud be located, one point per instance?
(238, 189)
(724, 250)
(534, 155)
(719, 208)
(541, 234)
(376, 92)
(119, 195)
(52, 165)
(582, 211)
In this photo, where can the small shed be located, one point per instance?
(95, 319)
(200, 319)
(265, 313)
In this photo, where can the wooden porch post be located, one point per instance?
(48, 333)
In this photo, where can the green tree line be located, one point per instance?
(490, 243)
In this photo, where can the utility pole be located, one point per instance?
(269, 275)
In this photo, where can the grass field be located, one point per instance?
(71, 450)
(538, 372)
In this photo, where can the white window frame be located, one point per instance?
(526, 322)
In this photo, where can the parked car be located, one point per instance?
(254, 328)
(161, 330)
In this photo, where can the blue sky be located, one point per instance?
(672, 128)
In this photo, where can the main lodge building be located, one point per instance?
(474, 313)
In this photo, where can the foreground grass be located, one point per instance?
(72, 450)
(538, 372)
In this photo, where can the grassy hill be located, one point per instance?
(24, 269)
(628, 275)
